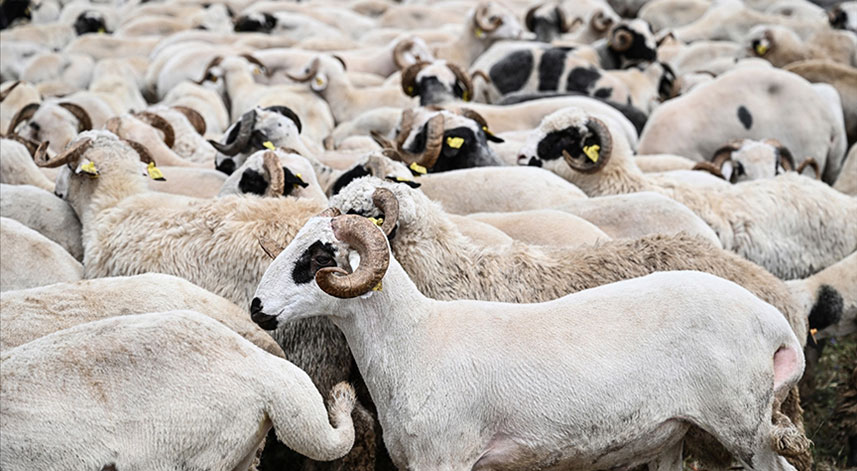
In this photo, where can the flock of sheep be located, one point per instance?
(505, 235)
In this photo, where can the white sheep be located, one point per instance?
(43, 212)
(791, 225)
(564, 229)
(64, 405)
(28, 314)
(443, 400)
(275, 173)
(17, 167)
(29, 259)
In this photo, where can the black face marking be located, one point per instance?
(745, 117)
(86, 22)
(316, 256)
(555, 142)
(534, 162)
(603, 92)
(252, 182)
(226, 166)
(511, 73)
(246, 23)
(551, 67)
(347, 177)
(638, 49)
(465, 156)
(11, 10)
(837, 18)
(432, 91)
(581, 79)
(419, 143)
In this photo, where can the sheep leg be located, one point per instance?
(670, 459)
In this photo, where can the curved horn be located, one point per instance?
(485, 24)
(605, 144)
(621, 40)
(710, 168)
(31, 145)
(530, 17)
(382, 141)
(6, 92)
(212, 63)
(564, 27)
(245, 130)
(141, 150)
(277, 182)
(84, 122)
(371, 244)
(68, 155)
(481, 74)
(23, 114)
(784, 156)
(464, 79)
(399, 52)
(329, 213)
(196, 119)
(158, 122)
(409, 77)
(600, 22)
(253, 60)
(288, 113)
(313, 69)
(809, 161)
(434, 140)
(724, 153)
(388, 204)
(470, 114)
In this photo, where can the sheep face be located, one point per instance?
(377, 165)
(255, 22)
(13, 10)
(255, 176)
(51, 123)
(319, 72)
(572, 144)
(494, 22)
(464, 143)
(90, 22)
(437, 83)
(776, 44)
(273, 127)
(548, 21)
(633, 41)
(844, 16)
(288, 290)
(753, 160)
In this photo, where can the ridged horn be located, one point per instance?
(245, 130)
(388, 204)
(195, 118)
(158, 122)
(464, 79)
(276, 177)
(371, 243)
(313, 69)
(809, 161)
(409, 77)
(84, 122)
(605, 142)
(481, 20)
(23, 114)
(71, 154)
(621, 40)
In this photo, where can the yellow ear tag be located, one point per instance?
(319, 81)
(89, 168)
(268, 145)
(257, 71)
(479, 32)
(417, 168)
(465, 96)
(455, 142)
(101, 31)
(487, 131)
(295, 185)
(410, 90)
(401, 179)
(592, 152)
(377, 221)
(377, 287)
(761, 49)
(813, 332)
(155, 172)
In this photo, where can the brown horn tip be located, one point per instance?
(313, 69)
(5, 93)
(41, 152)
(195, 118)
(710, 168)
(371, 244)
(140, 149)
(409, 77)
(810, 162)
(84, 122)
(73, 153)
(388, 204)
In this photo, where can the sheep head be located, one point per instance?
(436, 82)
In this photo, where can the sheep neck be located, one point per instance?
(468, 44)
(613, 180)
(342, 97)
(106, 193)
(383, 331)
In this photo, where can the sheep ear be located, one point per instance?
(86, 166)
(295, 179)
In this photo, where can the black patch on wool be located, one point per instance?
(550, 68)
(347, 177)
(745, 117)
(827, 309)
(512, 72)
(315, 257)
(581, 79)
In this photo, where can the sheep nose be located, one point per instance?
(263, 320)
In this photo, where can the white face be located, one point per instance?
(288, 290)
(753, 161)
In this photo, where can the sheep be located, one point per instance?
(746, 159)
(58, 74)
(485, 24)
(664, 14)
(842, 78)
(17, 167)
(189, 128)
(565, 228)
(29, 259)
(781, 46)
(259, 128)
(213, 243)
(205, 421)
(326, 76)
(436, 82)
(33, 313)
(379, 164)
(551, 20)
(52, 36)
(13, 98)
(204, 101)
(43, 212)
(188, 181)
(512, 425)
(287, 25)
(275, 173)
(730, 20)
(792, 225)
(839, 283)
(754, 104)
(156, 135)
(58, 121)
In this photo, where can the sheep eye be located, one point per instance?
(323, 259)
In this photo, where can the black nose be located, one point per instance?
(534, 162)
(227, 166)
(263, 320)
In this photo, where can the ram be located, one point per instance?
(213, 243)
(275, 173)
(791, 225)
(484, 25)
(781, 46)
(745, 159)
(566, 413)
(194, 417)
